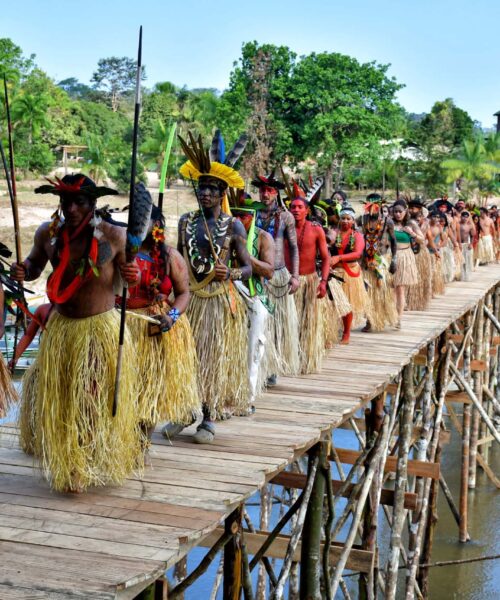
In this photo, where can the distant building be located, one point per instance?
(497, 115)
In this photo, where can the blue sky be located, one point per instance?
(438, 49)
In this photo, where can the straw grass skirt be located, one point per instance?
(467, 265)
(282, 352)
(448, 263)
(67, 403)
(438, 286)
(335, 307)
(406, 268)
(418, 296)
(382, 299)
(355, 291)
(485, 249)
(221, 340)
(8, 394)
(311, 324)
(459, 261)
(168, 371)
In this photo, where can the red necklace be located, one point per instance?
(54, 292)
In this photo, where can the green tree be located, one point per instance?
(115, 77)
(13, 64)
(255, 102)
(471, 164)
(339, 109)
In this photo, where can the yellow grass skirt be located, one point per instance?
(459, 261)
(438, 286)
(8, 394)
(334, 309)
(311, 324)
(67, 401)
(406, 269)
(355, 291)
(282, 352)
(222, 347)
(418, 296)
(168, 371)
(382, 300)
(485, 249)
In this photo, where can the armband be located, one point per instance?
(174, 314)
(235, 274)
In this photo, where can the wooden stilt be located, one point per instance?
(463, 535)
(478, 388)
(405, 429)
(180, 572)
(264, 525)
(231, 584)
(444, 353)
(313, 525)
(432, 518)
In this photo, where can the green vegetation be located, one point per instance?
(323, 113)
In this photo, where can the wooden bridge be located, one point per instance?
(114, 542)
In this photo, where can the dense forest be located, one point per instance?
(324, 113)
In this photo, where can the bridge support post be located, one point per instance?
(232, 556)
(310, 588)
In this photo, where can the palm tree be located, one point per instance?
(97, 158)
(472, 164)
(30, 110)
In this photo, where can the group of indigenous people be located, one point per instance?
(255, 290)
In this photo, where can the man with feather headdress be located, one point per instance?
(68, 392)
(208, 239)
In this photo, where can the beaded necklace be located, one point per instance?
(203, 265)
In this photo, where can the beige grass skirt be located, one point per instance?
(222, 347)
(311, 324)
(406, 270)
(66, 417)
(168, 371)
(418, 296)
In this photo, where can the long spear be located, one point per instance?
(15, 212)
(13, 203)
(164, 166)
(129, 249)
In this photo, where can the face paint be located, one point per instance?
(267, 195)
(346, 222)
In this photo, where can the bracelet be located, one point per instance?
(174, 314)
(235, 274)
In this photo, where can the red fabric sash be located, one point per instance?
(344, 264)
(54, 293)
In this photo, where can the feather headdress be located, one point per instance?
(213, 162)
(74, 184)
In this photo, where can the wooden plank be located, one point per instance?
(298, 480)
(359, 560)
(419, 468)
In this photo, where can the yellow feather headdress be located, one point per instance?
(213, 162)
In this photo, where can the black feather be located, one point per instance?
(237, 150)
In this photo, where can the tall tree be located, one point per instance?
(339, 109)
(115, 76)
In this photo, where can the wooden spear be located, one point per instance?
(133, 170)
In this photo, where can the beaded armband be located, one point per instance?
(174, 314)
(235, 274)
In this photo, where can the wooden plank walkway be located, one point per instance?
(111, 542)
